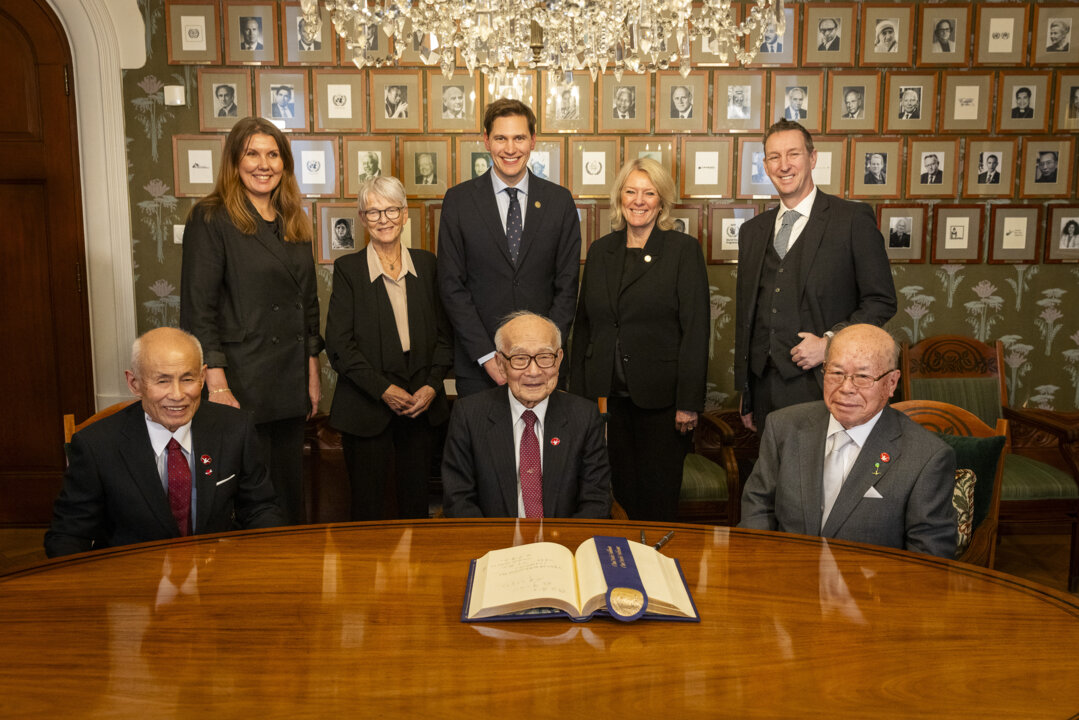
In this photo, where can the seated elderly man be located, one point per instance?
(168, 467)
(526, 450)
(850, 467)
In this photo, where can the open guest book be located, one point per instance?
(607, 576)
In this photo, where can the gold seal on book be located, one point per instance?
(625, 601)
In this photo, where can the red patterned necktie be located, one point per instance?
(530, 470)
(179, 487)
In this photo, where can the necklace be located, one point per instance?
(392, 263)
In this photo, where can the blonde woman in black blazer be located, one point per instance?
(391, 345)
(248, 293)
(640, 339)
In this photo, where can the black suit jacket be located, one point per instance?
(845, 276)
(1024, 113)
(479, 476)
(983, 178)
(364, 348)
(936, 178)
(112, 492)
(252, 302)
(478, 281)
(661, 315)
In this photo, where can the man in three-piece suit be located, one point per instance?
(500, 251)
(529, 450)
(850, 467)
(166, 467)
(933, 175)
(831, 270)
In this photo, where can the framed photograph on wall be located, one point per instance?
(967, 102)
(196, 162)
(315, 158)
(1046, 167)
(473, 158)
(875, 168)
(366, 158)
(944, 32)
(852, 102)
(593, 164)
(546, 159)
(1013, 233)
(567, 107)
(191, 32)
(396, 101)
(1056, 30)
(773, 48)
(705, 170)
(585, 215)
(990, 170)
(1067, 94)
(305, 43)
(1062, 234)
(933, 166)
(797, 96)
(957, 234)
(1000, 35)
(753, 180)
(519, 86)
(425, 166)
(452, 103)
(374, 48)
(738, 101)
(725, 222)
(903, 228)
(830, 172)
(689, 219)
(340, 231)
(414, 233)
(340, 101)
(910, 102)
(282, 98)
(828, 35)
(658, 148)
(682, 103)
(250, 33)
(887, 34)
(224, 98)
(1024, 102)
(625, 105)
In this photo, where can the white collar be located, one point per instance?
(160, 436)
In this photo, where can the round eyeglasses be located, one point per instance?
(391, 213)
(520, 362)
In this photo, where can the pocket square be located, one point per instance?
(872, 493)
(222, 482)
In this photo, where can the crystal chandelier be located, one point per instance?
(500, 37)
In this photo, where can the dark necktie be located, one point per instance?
(179, 487)
(529, 469)
(514, 225)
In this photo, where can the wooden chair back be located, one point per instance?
(958, 370)
(70, 427)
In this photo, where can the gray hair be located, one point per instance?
(385, 186)
(136, 349)
(499, 335)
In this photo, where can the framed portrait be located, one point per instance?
(875, 168)
(738, 99)
(1046, 167)
(967, 102)
(828, 35)
(1024, 102)
(315, 159)
(197, 160)
(1067, 95)
(519, 86)
(224, 98)
(308, 43)
(887, 34)
(567, 107)
(1013, 233)
(681, 103)
(957, 234)
(911, 102)
(452, 103)
(366, 158)
(1062, 234)
(375, 47)
(250, 33)
(853, 102)
(473, 158)
(425, 166)
(1000, 34)
(724, 223)
(688, 218)
(434, 217)
(545, 162)
(586, 216)
(593, 165)
(903, 228)
(396, 101)
(705, 170)
(625, 105)
(191, 32)
(990, 170)
(339, 101)
(1056, 28)
(414, 234)
(830, 172)
(753, 180)
(797, 96)
(282, 98)
(933, 167)
(773, 48)
(659, 149)
(943, 35)
(340, 230)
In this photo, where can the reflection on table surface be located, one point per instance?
(363, 617)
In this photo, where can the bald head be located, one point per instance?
(167, 375)
(860, 373)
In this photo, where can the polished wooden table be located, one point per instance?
(363, 620)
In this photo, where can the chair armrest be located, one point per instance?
(1064, 425)
(714, 440)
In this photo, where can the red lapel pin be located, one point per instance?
(205, 459)
(555, 441)
(885, 457)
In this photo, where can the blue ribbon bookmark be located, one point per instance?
(626, 599)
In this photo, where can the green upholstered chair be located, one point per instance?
(1040, 490)
(711, 486)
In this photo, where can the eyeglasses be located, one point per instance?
(857, 379)
(521, 362)
(391, 213)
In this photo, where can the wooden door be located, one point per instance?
(44, 326)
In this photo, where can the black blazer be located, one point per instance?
(252, 302)
(364, 348)
(112, 492)
(478, 281)
(660, 313)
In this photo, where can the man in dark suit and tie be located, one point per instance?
(795, 110)
(850, 467)
(529, 450)
(805, 270)
(829, 35)
(933, 175)
(500, 251)
(167, 467)
(226, 99)
(990, 176)
(899, 237)
(771, 42)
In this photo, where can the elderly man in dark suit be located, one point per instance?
(531, 450)
(850, 467)
(168, 467)
(805, 270)
(507, 241)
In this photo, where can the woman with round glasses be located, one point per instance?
(391, 345)
(640, 339)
